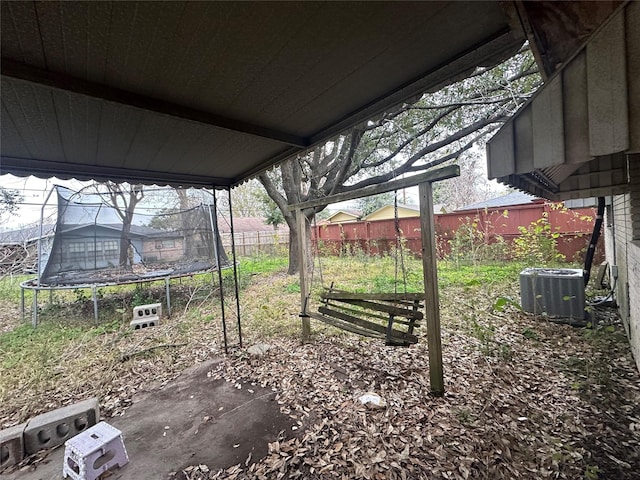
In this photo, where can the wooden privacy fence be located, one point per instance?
(573, 227)
(253, 243)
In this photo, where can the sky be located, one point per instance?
(34, 192)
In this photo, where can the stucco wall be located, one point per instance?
(622, 237)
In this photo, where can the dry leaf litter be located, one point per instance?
(525, 398)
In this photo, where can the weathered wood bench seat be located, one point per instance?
(389, 316)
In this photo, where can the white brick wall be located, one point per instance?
(622, 243)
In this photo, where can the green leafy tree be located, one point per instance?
(272, 214)
(433, 131)
(9, 202)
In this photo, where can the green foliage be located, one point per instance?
(471, 243)
(262, 264)
(502, 302)
(10, 287)
(142, 295)
(538, 243)
(450, 274)
(107, 327)
(40, 346)
(81, 295)
(293, 287)
(591, 472)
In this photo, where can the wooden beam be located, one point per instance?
(430, 176)
(69, 83)
(388, 297)
(430, 274)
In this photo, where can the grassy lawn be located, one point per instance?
(526, 397)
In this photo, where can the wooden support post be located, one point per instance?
(304, 275)
(430, 273)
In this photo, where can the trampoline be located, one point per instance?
(100, 241)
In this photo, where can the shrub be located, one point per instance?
(538, 243)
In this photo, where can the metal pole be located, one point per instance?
(40, 236)
(235, 268)
(168, 290)
(22, 301)
(34, 314)
(217, 253)
(94, 294)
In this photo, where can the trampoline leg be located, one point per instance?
(34, 314)
(94, 294)
(22, 302)
(166, 283)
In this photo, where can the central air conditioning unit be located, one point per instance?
(555, 292)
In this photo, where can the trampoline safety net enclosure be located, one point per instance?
(97, 241)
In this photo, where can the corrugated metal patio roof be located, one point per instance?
(209, 93)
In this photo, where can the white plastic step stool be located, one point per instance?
(94, 451)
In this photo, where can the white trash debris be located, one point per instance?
(259, 349)
(372, 400)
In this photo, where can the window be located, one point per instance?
(111, 248)
(76, 250)
(94, 250)
(160, 244)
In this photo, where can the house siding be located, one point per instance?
(388, 212)
(622, 238)
(342, 217)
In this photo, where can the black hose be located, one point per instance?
(594, 240)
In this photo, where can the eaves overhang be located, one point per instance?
(575, 137)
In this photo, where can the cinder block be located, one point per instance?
(11, 446)
(55, 427)
(144, 323)
(143, 312)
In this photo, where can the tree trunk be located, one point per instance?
(125, 242)
(294, 255)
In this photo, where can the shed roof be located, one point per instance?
(25, 235)
(210, 93)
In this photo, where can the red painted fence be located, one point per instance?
(573, 226)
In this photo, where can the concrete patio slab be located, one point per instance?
(192, 420)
